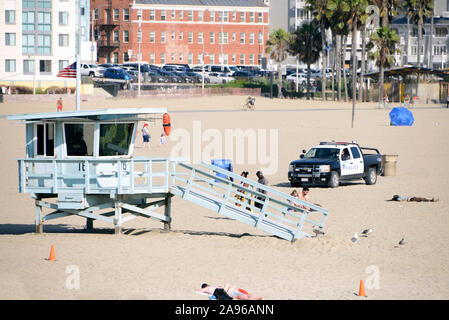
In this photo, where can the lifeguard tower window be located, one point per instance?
(45, 139)
(79, 139)
(115, 139)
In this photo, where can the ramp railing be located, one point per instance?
(241, 198)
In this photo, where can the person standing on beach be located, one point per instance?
(146, 135)
(59, 105)
(162, 140)
(264, 181)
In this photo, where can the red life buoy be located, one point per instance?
(166, 123)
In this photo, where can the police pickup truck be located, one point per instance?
(332, 162)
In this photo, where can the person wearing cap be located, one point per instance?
(146, 135)
(262, 180)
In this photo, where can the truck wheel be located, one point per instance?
(371, 177)
(334, 180)
(91, 74)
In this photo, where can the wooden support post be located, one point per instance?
(39, 222)
(89, 224)
(167, 212)
(118, 216)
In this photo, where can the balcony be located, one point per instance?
(106, 24)
(107, 45)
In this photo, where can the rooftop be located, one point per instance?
(209, 3)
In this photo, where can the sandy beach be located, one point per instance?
(202, 246)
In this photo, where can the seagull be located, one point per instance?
(318, 232)
(400, 243)
(355, 237)
(366, 232)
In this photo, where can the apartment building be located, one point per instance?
(231, 32)
(38, 37)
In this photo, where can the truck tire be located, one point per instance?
(371, 177)
(91, 74)
(334, 180)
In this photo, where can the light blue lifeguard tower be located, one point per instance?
(81, 163)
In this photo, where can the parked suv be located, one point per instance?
(91, 70)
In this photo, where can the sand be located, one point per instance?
(145, 263)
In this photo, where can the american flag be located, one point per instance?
(68, 72)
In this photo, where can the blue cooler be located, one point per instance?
(225, 164)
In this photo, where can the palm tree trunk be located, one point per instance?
(339, 67)
(362, 66)
(280, 96)
(381, 77)
(385, 21)
(431, 43)
(345, 37)
(334, 61)
(354, 68)
(323, 62)
(420, 23)
(308, 80)
(408, 38)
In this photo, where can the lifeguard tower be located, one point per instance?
(81, 163)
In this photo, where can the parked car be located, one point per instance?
(108, 65)
(198, 76)
(302, 78)
(144, 67)
(185, 77)
(171, 76)
(243, 74)
(332, 162)
(156, 76)
(92, 70)
(117, 73)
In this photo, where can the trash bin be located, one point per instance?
(389, 161)
(225, 164)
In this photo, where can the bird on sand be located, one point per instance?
(355, 237)
(400, 243)
(366, 232)
(318, 232)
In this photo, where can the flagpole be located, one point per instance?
(78, 66)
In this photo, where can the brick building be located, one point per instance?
(181, 31)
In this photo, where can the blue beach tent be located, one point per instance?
(400, 116)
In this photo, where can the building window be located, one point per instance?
(115, 36)
(259, 59)
(28, 43)
(63, 40)
(10, 16)
(44, 44)
(125, 36)
(152, 36)
(200, 38)
(44, 21)
(181, 14)
(45, 66)
(96, 34)
(225, 58)
(152, 14)
(251, 17)
(223, 38)
(225, 16)
(163, 15)
(28, 66)
(242, 16)
(173, 14)
(439, 50)
(212, 58)
(152, 58)
(260, 17)
(415, 51)
(190, 15)
(28, 3)
(440, 32)
(115, 57)
(233, 58)
(200, 16)
(126, 14)
(125, 56)
(242, 37)
(10, 39)
(190, 37)
(10, 65)
(139, 14)
(251, 59)
(116, 14)
(260, 38)
(234, 15)
(180, 57)
(173, 57)
(242, 58)
(163, 36)
(200, 58)
(212, 15)
(173, 35)
(44, 4)
(162, 58)
(212, 37)
(96, 14)
(139, 36)
(251, 38)
(62, 64)
(233, 36)
(63, 18)
(181, 35)
(28, 21)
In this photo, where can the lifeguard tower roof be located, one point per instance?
(98, 115)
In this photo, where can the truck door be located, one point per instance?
(348, 167)
(358, 162)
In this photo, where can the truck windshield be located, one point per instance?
(322, 153)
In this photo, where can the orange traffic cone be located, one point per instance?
(52, 253)
(362, 289)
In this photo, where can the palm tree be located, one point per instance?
(387, 9)
(306, 43)
(318, 9)
(277, 46)
(383, 46)
(417, 10)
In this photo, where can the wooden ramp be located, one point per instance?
(246, 201)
